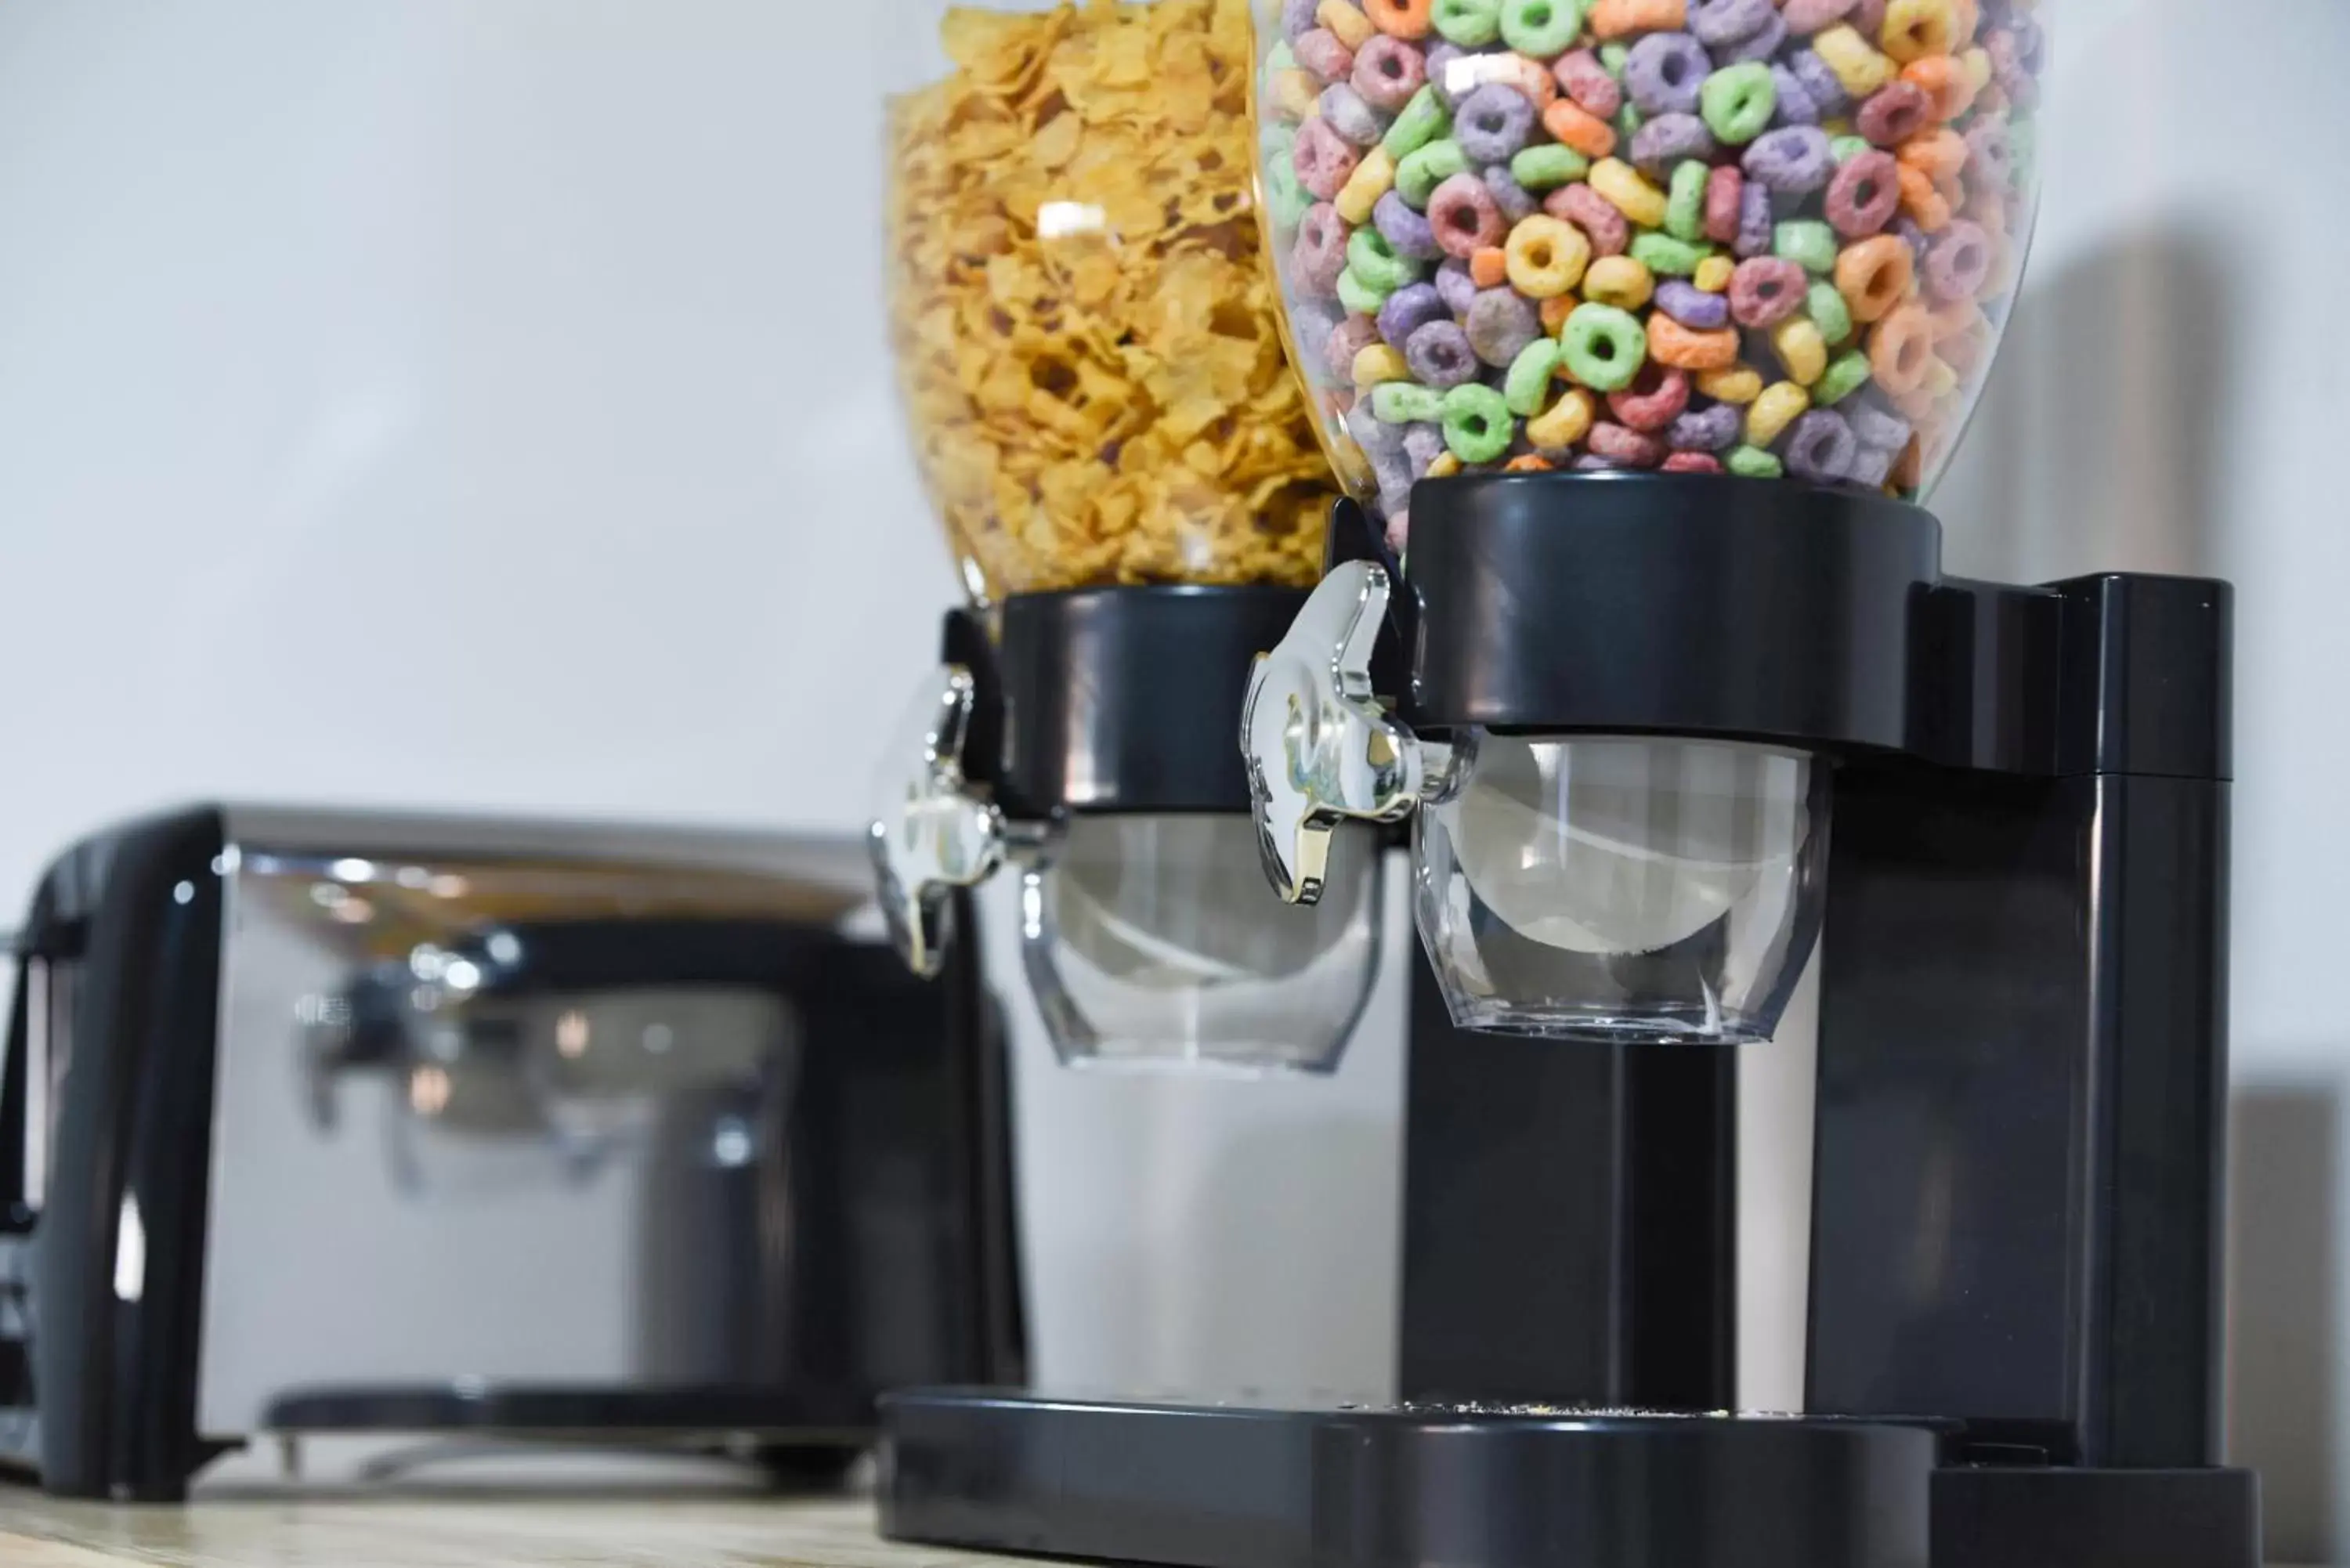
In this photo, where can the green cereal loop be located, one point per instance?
(1829, 311)
(1612, 57)
(2023, 153)
(1290, 198)
(1358, 296)
(1375, 264)
(1807, 241)
(1603, 348)
(1406, 403)
(1685, 201)
(1845, 374)
(1844, 149)
(1737, 101)
(1552, 164)
(1627, 120)
(1417, 176)
(1753, 463)
(1279, 57)
(1423, 119)
(1667, 257)
(1471, 23)
(1477, 423)
(1527, 386)
(1541, 28)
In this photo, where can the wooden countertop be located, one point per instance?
(645, 1529)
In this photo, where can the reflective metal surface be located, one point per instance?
(1320, 750)
(930, 836)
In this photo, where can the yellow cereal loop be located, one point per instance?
(1976, 65)
(1381, 363)
(1800, 348)
(1618, 281)
(1941, 380)
(1628, 191)
(1738, 384)
(1373, 178)
(1353, 28)
(1916, 28)
(1712, 274)
(1545, 258)
(1567, 422)
(1861, 69)
(1445, 466)
(1768, 416)
(1296, 94)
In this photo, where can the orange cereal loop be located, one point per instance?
(1938, 154)
(1967, 351)
(1490, 267)
(1527, 76)
(1957, 317)
(1909, 468)
(1554, 313)
(1917, 407)
(1620, 19)
(1531, 462)
(1399, 18)
(1874, 276)
(1687, 348)
(1900, 349)
(1343, 22)
(1922, 202)
(1939, 77)
(1569, 123)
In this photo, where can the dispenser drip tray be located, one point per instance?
(1243, 1485)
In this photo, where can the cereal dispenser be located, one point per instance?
(1090, 356)
(1640, 330)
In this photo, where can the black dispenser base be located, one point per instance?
(1235, 1486)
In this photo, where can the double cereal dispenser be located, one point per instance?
(1636, 332)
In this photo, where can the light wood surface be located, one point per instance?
(627, 1530)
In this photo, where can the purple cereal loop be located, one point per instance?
(1312, 324)
(1319, 254)
(1820, 446)
(1761, 46)
(1502, 323)
(1916, 238)
(1395, 476)
(1405, 230)
(1794, 158)
(1716, 428)
(1592, 462)
(1991, 153)
(1297, 18)
(1357, 122)
(1438, 355)
(1321, 52)
(1692, 307)
(1408, 309)
(1870, 465)
(1388, 73)
(1813, 15)
(1459, 289)
(1322, 158)
(1957, 261)
(1439, 56)
(1422, 443)
(1493, 123)
(1347, 339)
(1821, 83)
(1512, 198)
(1755, 223)
(1665, 72)
(1719, 22)
(1876, 428)
(1796, 106)
(1372, 433)
(1666, 139)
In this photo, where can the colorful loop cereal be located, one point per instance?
(1758, 229)
(1691, 463)
(1398, 18)
(1477, 423)
(1604, 347)
(1323, 159)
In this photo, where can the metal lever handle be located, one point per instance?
(1320, 750)
(931, 835)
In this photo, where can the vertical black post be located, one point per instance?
(1569, 1228)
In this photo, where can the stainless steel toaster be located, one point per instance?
(332, 1122)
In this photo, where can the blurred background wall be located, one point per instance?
(481, 403)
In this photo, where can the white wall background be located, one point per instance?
(481, 403)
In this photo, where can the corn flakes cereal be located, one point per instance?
(1086, 338)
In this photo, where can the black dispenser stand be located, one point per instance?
(2013, 1348)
